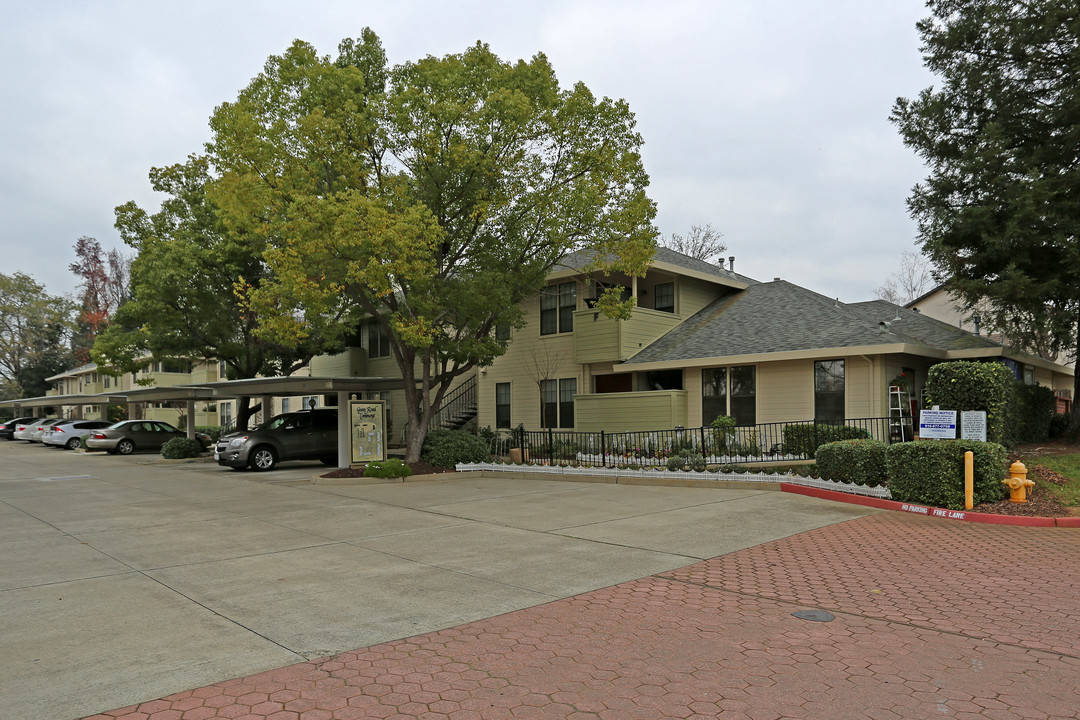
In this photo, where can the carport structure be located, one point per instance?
(262, 388)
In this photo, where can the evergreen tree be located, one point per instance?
(1000, 211)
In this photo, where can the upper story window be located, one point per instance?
(664, 297)
(557, 306)
(173, 365)
(378, 340)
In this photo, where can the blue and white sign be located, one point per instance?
(937, 424)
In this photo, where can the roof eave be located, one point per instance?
(668, 268)
(808, 354)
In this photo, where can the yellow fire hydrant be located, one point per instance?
(1018, 482)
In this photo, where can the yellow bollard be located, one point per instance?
(1018, 482)
(969, 480)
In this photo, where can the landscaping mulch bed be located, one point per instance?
(1039, 501)
(418, 468)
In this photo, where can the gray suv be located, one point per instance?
(306, 435)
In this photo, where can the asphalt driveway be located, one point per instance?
(123, 580)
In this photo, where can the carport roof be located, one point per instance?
(225, 389)
(252, 387)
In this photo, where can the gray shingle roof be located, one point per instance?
(779, 316)
(578, 260)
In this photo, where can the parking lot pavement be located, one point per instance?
(123, 580)
(913, 617)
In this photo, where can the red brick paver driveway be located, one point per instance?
(932, 619)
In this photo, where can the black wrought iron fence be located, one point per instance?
(717, 446)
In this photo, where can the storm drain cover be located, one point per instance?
(814, 615)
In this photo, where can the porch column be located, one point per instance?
(343, 420)
(633, 286)
(191, 418)
(267, 407)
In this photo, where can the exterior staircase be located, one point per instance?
(458, 408)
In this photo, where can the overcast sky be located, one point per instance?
(766, 118)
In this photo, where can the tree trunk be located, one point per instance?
(415, 443)
(244, 411)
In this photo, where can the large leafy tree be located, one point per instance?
(999, 213)
(34, 331)
(431, 198)
(183, 300)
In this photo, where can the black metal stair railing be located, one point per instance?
(457, 409)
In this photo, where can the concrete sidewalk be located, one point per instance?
(928, 619)
(122, 580)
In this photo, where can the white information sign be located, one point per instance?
(973, 425)
(937, 424)
(367, 422)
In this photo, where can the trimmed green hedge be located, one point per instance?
(180, 448)
(964, 385)
(931, 472)
(214, 431)
(447, 448)
(859, 461)
(390, 468)
(1033, 411)
(806, 439)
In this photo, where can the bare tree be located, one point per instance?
(702, 242)
(913, 276)
(542, 367)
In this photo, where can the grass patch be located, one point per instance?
(1065, 488)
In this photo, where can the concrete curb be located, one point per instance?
(964, 515)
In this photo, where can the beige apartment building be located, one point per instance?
(703, 341)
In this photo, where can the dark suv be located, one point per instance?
(305, 435)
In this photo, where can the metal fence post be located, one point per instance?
(603, 451)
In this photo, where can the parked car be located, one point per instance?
(7, 427)
(24, 431)
(127, 436)
(41, 428)
(70, 435)
(304, 435)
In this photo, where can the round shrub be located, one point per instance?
(179, 448)
(447, 448)
(853, 461)
(391, 468)
(676, 462)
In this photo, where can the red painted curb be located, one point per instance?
(963, 515)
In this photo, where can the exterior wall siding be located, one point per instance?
(693, 295)
(785, 391)
(620, 412)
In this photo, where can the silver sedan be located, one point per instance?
(127, 436)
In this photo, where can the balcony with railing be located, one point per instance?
(350, 363)
(598, 338)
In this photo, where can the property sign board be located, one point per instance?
(937, 424)
(367, 430)
(973, 425)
